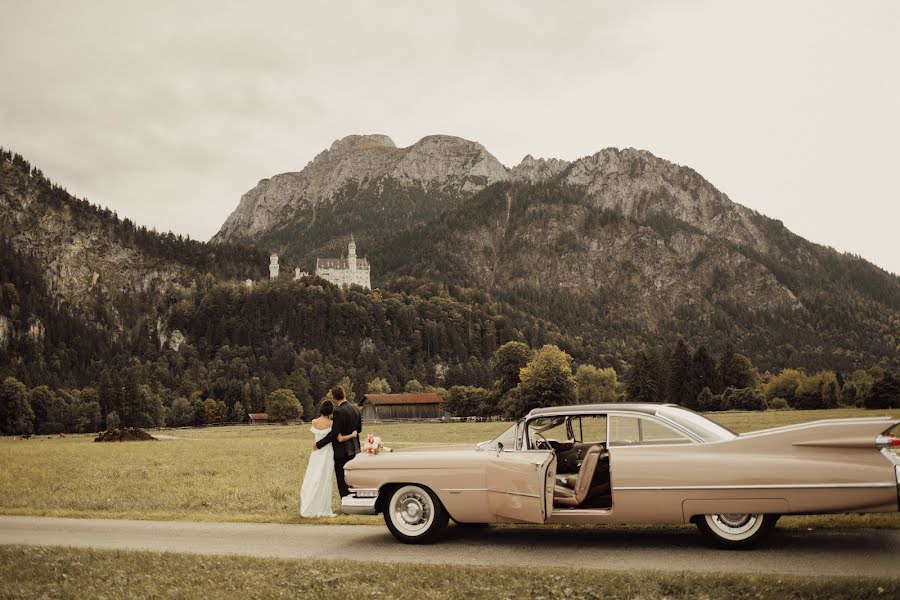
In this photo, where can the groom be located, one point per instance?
(346, 420)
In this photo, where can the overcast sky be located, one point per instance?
(169, 112)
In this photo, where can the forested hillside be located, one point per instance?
(81, 286)
(105, 322)
(622, 283)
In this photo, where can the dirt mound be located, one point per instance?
(124, 434)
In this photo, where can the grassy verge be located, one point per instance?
(248, 473)
(33, 572)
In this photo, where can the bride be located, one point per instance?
(315, 493)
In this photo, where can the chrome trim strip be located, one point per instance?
(515, 494)
(458, 490)
(580, 511)
(777, 486)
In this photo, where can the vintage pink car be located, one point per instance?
(634, 463)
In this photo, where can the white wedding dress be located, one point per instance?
(315, 493)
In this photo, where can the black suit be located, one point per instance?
(346, 420)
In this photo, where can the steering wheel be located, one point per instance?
(541, 442)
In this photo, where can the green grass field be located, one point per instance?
(32, 572)
(248, 473)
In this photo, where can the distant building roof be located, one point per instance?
(258, 416)
(386, 399)
(340, 263)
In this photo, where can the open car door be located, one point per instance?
(520, 484)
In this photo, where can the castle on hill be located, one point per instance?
(345, 272)
(342, 272)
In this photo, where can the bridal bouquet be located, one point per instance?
(373, 445)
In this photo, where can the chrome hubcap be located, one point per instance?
(412, 511)
(734, 524)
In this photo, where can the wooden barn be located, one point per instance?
(259, 418)
(386, 407)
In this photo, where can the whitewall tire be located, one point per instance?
(736, 530)
(414, 515)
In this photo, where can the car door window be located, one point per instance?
(549, 428)
(589, 429)
(627, 431)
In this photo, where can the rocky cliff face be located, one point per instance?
(365, 181)
(538, 170)
(82, 264)
(436, 167)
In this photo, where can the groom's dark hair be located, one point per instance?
(337, 392)
(326, 408)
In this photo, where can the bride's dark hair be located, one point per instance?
(326, 408)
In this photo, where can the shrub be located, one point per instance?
(743, 399)
(778, 404)
(708, 402)
(112, 420)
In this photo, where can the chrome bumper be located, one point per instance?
(354, 505)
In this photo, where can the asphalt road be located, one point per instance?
(860, 552)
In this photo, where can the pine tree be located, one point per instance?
(735, 370)
(641, 386)
(703, 372)
(680, 370)
(885, 393)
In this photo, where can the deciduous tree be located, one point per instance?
(595, 385)
(546, 380)
(283, 405)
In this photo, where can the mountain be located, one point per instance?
(621, 248)
(363, 184)
(103, 320)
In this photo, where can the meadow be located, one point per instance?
(251, 473)
(32, 572)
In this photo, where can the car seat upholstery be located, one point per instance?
(565, 496)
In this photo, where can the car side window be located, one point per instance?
(547, 428)
(589, 429)
(627, 431)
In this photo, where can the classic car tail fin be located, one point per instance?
(887, 440)
(868, 432)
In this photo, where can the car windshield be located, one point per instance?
(705, 429)
(507, 439)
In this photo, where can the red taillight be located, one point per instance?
(887, 440)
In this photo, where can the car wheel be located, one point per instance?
(414, 515)
(736, 531)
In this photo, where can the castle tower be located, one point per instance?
(273, 266)
(351, 254)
